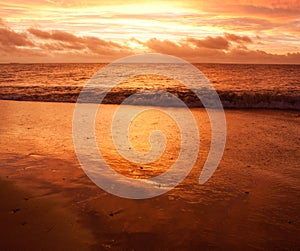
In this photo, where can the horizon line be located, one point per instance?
(236, 63)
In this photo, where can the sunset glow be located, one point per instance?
(100, 31)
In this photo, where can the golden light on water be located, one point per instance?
(138, 132)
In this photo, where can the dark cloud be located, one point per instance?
(100, 46)
(238, 39)
(56, 46)
(70, 41)
(238, 54)
(258, 56)
(10, 38)
(62, 46)
(219, 43)
(14, 45)
(168, 47)
(55, 35)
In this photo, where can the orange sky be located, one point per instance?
(252, 31)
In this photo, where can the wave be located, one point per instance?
(240, 99)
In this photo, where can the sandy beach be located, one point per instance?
(48, 203)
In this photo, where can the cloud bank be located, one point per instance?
(224, 31)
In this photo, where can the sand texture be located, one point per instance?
(252, 202)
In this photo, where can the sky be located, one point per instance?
(215, 31)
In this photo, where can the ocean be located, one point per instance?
(238, 85)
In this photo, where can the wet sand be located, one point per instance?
(48, 203)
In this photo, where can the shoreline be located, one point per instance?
(295, 109)
(250, 202)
